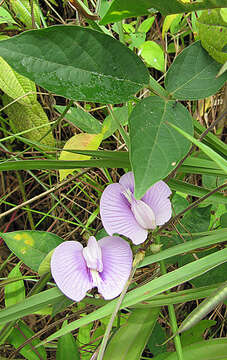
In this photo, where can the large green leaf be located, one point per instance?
(122, 9)
(213, 34)
(78, 63)
(155, 150)
(31, 246)
(129, 341)
(193, 74)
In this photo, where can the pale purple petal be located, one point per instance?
(93, 255)
(69, 270)
(157, 197)
(127, 180)
(117, 216)
(117, 264)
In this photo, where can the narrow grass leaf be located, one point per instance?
(154, 287)
(220, 161)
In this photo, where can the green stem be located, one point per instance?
(138, 258)
(172, 314)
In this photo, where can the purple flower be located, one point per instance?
(121, 213)
(105, 264)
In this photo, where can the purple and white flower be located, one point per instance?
(105, 264)
(121, 213)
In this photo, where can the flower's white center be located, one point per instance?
(93, 256)
(143, 212)
(96, 278)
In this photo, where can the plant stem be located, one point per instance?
(172, 314)
(119, 126)
(138, 258)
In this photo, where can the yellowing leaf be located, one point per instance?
(28, 117)
(16, 85)
(79, 142)
(167, 23)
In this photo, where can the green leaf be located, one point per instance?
(18, 336)
(145, 25)
(5, 17)
(197, 191)
(31, 246)
(83, 64)
(122, 9)
(67, 348)
(14, 292)
(81, 119)
(153, 55)
(188, 79)
(214, 238)
(58, 164)
(213, 34)
(22, 9)
(220, 161)
(214, 349)
(32, 304)
(195, 334)
(130, 340)
(155, 151)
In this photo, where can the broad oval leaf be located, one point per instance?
(155, 149)
(193, 74)
(31, 246)
(153, 54)
(213, 34)
(78, 63)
